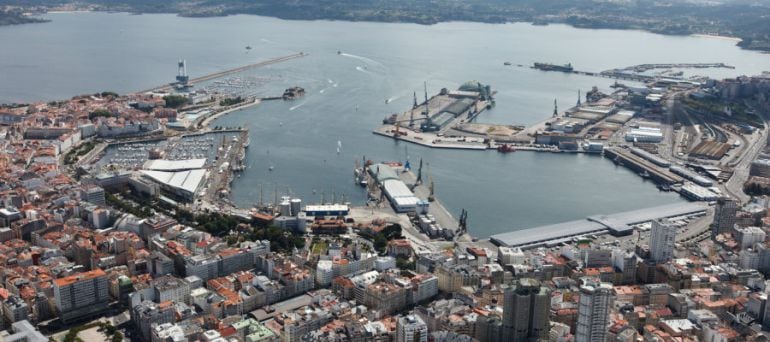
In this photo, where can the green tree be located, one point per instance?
(175, 101)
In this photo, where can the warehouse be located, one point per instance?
(401, 198)
(183, 184)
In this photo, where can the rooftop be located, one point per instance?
(597, 224)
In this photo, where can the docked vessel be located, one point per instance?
(505, 148)
(554, 67)
(360, 173)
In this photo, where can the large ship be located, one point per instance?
(554, 67)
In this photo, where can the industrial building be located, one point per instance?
(695, 178)
(760, 168)
(616, 224)
(644, 134)
(327, 210)
(400, 196)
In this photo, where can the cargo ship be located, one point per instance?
(554, 67)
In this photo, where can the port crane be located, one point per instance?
(463, 226)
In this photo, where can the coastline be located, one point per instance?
(536, 22)
(720, 37)
(203, 125)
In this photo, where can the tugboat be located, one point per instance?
(505, 148)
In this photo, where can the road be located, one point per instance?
(734, 186)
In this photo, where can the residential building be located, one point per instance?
(662, 240)
(594, 312)
(411, 328)
(526, 309)
(81, 294)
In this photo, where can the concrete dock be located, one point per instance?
(208, 77)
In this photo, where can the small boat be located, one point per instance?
(505, 148)
(270, 168)
(339, 52)
(507, 63)
(248, 47)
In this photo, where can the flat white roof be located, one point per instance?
(327, 207)
(406, 201)
(397, 188)
(184, 180)
(174, 165)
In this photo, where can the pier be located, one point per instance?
(638, 164)
(208, 77)
(631, 73)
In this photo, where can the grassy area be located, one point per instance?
(320, 247)
(74, 154)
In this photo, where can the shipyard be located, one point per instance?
(659, 129)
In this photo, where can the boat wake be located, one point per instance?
(297, 106)
(265, 40)
(392, 99)
(362, 58)
(363, 69)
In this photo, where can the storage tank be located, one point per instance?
(296, 206)
(285, 207)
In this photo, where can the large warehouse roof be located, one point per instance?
(382, 172)
(174, 165)
(184, 180)
(397, 188)
(618, 223)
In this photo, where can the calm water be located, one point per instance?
(90, 52)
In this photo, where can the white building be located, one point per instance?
(646, 134)
(662, 240)
(23, 331)
(748, 236)
(594, 312)
(323, 272)
(384, 263)
(510, 255)
(411, 328)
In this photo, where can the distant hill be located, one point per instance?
(745, 19)
(15, 18)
